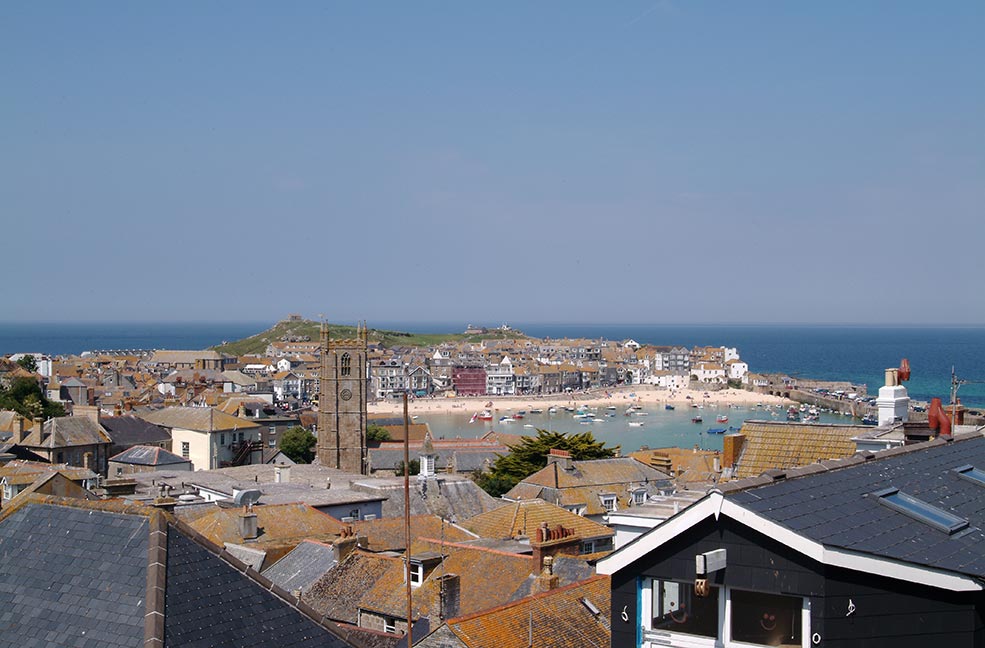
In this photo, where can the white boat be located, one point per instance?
(598, 420)
(636, 424)
(642, 413)
(528, 426)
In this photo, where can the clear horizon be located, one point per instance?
(651, 161)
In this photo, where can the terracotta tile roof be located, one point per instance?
(556, 619)
(524, 516)
(770, 445)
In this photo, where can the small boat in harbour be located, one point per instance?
(668, 407)
(485, 415)
(536, 410)
(636, 424)
(721, 418)
(696, 419)
(716, 430)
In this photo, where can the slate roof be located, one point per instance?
(524, 516)
(67, 431)
(837, 507)
(556, 619)
(304, 565)
(776, 444)
(131, 430)
(142, 455)
(198, 419)
(105, 573)
(276, 523)
(454, 497)
(487, 578)
(67, 580)
(25, 472)
(387, 534)
(568, 570)
(585, 483)
(336, 594)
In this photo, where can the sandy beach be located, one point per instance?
(625, 396)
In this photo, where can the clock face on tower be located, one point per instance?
(345, 394)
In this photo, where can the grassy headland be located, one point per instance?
(257, 344)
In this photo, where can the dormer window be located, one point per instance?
(416, 573)
(608, 502)
(639, 497)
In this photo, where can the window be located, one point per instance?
(222, 439)
(766, 619)
(389, 624)
(272, 443)
(608, 502)
(639, 497)
(416, 573)
(185, 450)
(588, 547)
(919, 510)
(971, 474)
(119, 471)
(676, 608)
(345, 362)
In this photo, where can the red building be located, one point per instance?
(469, 381)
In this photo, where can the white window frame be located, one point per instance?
(639, 497)
(653, 638)
(416, 574)
(606, 499)
(389, 624)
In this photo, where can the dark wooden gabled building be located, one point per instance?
(874, 551)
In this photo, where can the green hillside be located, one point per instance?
(257, 344)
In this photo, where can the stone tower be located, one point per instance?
(342, 402)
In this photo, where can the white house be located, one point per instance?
(207, 436)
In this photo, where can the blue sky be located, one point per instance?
(636, 162)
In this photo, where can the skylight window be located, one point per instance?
(971, 473)
(922, 511)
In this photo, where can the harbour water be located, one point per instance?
(660, 427)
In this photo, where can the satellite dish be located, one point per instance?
(247, 498)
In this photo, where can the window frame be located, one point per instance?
(651, 638)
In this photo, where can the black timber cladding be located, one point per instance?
(837, 508)
(72, 577)
(888, 613)
(211, 604)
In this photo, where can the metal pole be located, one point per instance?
(410, 611)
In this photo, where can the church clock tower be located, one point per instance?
(342, 402)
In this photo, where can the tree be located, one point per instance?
(29, 362)
(297, 443)
(415, 468)
(530, 455)
(25, 397)
(377, 433)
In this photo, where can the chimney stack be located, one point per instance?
(561, 457)
(248, 525)
(282, 474)
(546, 580)
(450, 586)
